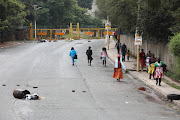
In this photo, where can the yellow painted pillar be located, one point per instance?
(78, 31)
(107, 39)
(71, 30)
(51, 34)
(31, 32)
(41, 31)
(98, 33)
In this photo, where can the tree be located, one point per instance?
(174, 46)
(13, 15)
(122, 13)
(158, 18)
(85, 3)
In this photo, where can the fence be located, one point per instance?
(160, 50)
(73, 32)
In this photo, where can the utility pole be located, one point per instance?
(35, 10)
(108, 27)
(137, 33)
(108, 34)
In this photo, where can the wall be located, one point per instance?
(158, 49)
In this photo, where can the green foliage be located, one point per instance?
(59, 13)
(122, 13)
(13, 15)
(85, 3)
(156, 23)
(159, 19)
(172, 75)
(174, 46)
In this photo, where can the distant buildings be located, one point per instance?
(94, 9)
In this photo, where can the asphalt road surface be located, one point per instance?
(48, 67)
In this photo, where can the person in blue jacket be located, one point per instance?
(72, 54)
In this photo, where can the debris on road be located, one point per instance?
(35, 87)
(25, 94)
(3, 85)
(142, 88)
(20, 94)
(83, 91)
(73, 90)
(173, 97)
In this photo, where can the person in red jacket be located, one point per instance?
(142, 59)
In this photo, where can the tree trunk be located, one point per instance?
(1, 39)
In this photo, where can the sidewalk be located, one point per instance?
(163, 90)
(7, 44)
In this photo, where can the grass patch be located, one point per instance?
(171, 84)
(172, 75)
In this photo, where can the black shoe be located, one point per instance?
(73, 64)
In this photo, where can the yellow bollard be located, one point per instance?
(31, 32)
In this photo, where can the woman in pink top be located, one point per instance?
(104, 55)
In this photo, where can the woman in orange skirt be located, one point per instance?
(118, 66)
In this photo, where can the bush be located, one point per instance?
(175, 49)
(172, 75)
(175, 45)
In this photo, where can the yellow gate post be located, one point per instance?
(98, 33)
(51, 34)
(41, 31)
(31, 32)
(78, 31)
(71, 30)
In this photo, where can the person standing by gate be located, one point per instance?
(72, 54)
(89, 56)
(118, 46)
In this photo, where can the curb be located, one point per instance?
(150, 86)
(155, 89)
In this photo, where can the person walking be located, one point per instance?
(123, 50)
(104, 55)
(148, 56)
(142, 59)
(151, 67)
(89, 56)
(118, 66)
(115, 35)
(118, 46)
(158, 71)
(72, 54)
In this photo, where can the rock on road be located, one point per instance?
(48, 67)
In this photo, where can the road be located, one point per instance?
(48, 67)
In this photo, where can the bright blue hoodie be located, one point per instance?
(72, 53)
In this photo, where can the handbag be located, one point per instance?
(75, 57)
(100, 57)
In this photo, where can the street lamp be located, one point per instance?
(36, 8)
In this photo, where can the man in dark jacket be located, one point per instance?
(123, 50)
(118, 46)
(89, 56)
